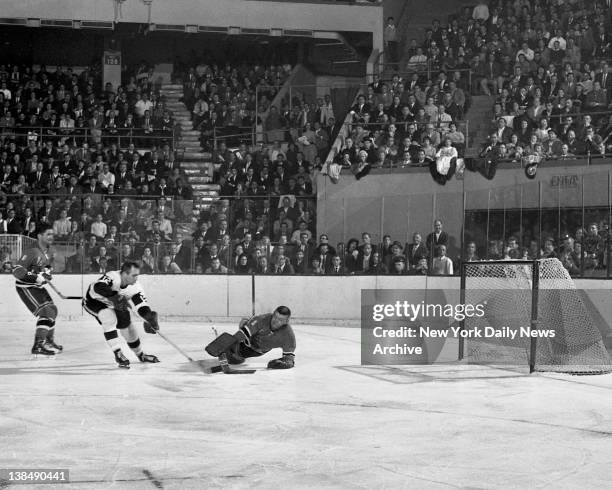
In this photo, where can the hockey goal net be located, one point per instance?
(533, 315)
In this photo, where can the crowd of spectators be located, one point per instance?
(583, 252)
(71, 108)
(233, 101)
(215, 248)
(288, 147)
(74, 174)
(546, 64)
(412, 122)
(232, 106)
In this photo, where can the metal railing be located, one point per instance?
(426, 70)
(121, 136)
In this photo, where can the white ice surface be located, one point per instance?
(328, 423)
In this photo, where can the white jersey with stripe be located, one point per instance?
(133, 292)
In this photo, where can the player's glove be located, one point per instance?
(43, 277)
(120, 303)
(285, 362)
(150, 324)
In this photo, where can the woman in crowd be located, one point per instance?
(242, 266)
(148, 263)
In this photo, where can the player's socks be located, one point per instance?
(40, 338)
(122, 361)
(135, 346)
(147, 357)
(39, 348)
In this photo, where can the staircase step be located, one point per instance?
(202, 179)
(205, 203)
(212, 187)
(205, 155)
(196, 164)
(194, 155)
(201, 187)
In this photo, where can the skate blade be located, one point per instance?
(123, 367)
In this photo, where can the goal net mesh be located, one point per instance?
(568, 340)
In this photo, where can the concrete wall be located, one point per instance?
(398, 204)
(238, 13)
(407, 201)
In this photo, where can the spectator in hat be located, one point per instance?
(396, 251)
(421, 268)
(398, 266)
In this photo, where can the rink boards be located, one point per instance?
(311, 298)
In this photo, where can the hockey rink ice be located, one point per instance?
(328, 423)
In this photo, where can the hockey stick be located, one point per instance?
(175, 346)
(52, 286)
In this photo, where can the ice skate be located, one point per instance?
(122, 361)
(40, 348)
(147, 358)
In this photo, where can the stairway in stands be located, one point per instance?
(479, 116)
(195, 163)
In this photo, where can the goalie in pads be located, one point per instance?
(257, 336)
(109, 300)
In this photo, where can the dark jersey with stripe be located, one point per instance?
(260, 336)
(31, 263)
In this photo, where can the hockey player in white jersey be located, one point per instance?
(110, 299)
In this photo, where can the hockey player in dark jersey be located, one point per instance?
(109, 300)
(257, 336)
(31, 273)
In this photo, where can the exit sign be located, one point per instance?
(112, 59)
(564, 181)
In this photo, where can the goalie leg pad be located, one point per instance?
(221, 344)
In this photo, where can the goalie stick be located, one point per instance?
(224, 366)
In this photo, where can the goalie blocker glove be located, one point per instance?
(150, 324)
(285, 362)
